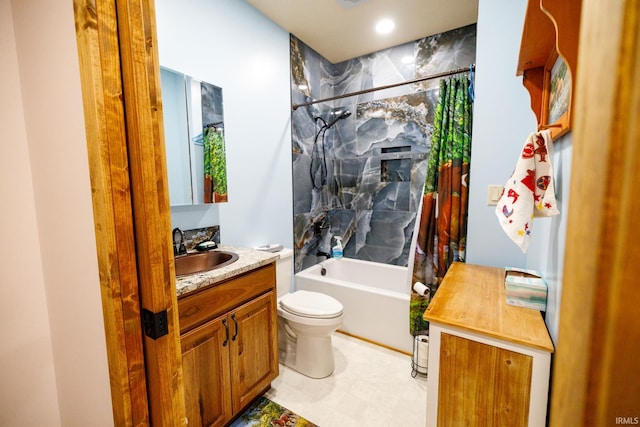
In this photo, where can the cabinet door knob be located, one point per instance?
(235, 335)
(226, 331)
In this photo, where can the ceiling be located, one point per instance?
(344, 29)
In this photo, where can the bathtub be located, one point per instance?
(375, 297)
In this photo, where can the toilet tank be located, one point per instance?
(284, 271)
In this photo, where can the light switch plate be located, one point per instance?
(493, 194)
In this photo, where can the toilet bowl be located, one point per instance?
(306, 321)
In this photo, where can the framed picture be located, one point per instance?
(556, 96)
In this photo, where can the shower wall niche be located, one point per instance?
(375, 159)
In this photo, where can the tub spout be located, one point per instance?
(324, 254)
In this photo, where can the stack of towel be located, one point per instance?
(529, 192)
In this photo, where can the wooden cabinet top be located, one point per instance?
(473, 297)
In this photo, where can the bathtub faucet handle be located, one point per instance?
(321, 225)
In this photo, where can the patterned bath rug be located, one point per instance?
(265, 413)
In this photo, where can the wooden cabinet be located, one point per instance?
(207, 374)
(488, 361)
(254, 355)
(229, 346)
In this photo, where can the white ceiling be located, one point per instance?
(344, 29)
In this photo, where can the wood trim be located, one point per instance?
(551, 28)
(116, 46)
(149, 188)
(563, 15)
(538, 38)
(379, 344)
(595, 372)
(97, 40)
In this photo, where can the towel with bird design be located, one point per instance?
(529, 192)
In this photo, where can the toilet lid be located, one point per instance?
(311, 304)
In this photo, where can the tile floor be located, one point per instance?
(371, 386)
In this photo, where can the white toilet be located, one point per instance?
(306, 321)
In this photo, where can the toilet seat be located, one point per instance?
(311, 305)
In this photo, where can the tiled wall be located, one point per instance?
(376, 159)
(198, 235)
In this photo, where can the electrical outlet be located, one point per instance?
(493, 194)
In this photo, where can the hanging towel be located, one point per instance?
(529, 192)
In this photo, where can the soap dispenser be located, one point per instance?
(336, 251)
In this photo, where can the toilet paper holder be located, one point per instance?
(420, 357)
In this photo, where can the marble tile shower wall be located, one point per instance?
(376, 159)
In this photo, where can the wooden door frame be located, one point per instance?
(598, 338)
(120, 78)
(595, 371)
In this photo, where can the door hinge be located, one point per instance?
(155, 324)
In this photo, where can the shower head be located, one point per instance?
(342, 115)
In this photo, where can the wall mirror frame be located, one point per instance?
(194, 137)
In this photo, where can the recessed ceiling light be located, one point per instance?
(348, 4)
(385, 26)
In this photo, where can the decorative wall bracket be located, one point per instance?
(548, 60)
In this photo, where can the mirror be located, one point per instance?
(194, 137)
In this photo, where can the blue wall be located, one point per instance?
(230, 44)
(546, 251)
(502, 121)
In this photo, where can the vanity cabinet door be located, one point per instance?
(254, 348)
(205, 364)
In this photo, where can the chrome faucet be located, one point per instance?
(179, 247)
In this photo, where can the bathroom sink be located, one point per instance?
(204, 261)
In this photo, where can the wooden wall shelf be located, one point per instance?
(551, 30)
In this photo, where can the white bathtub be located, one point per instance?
(375, 297)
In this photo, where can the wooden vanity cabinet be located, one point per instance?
(489, 361)
(229, 346)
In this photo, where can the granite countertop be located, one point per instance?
(248, 259)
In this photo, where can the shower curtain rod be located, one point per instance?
(472, 67)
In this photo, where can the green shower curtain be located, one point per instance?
(215, 170)
(443, 221)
